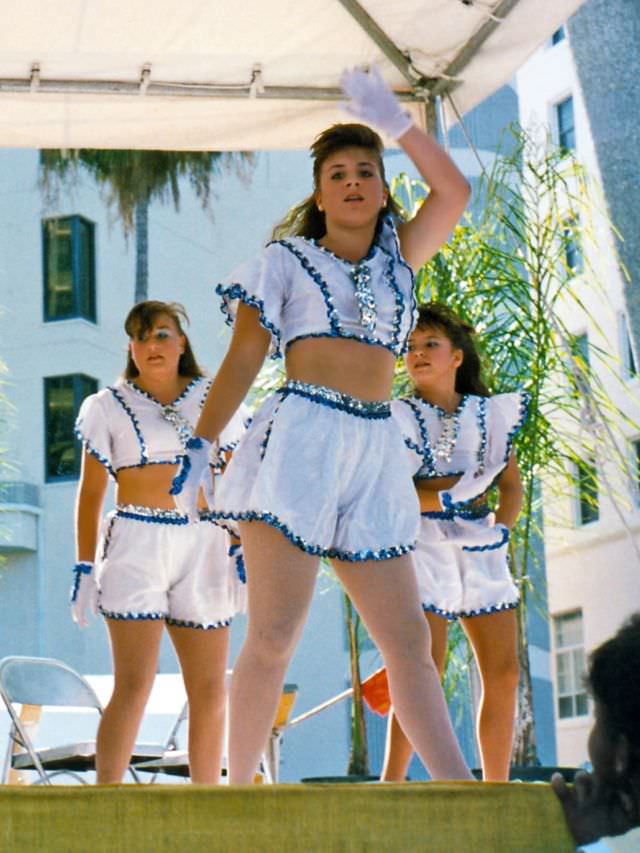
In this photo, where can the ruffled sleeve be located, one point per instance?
(92, 429)
(506, 414)
(261, 283)
(410, 431)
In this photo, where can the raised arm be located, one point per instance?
(372, 101)
(422, 236)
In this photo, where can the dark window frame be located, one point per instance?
(573, 256)
(588, 492)
(81, 385)
(83, 305)
(629, 367)
(566, 130)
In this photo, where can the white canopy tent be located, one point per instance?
(254, 74)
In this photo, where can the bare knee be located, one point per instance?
(502, 674)
(411, 643)
(273, 643)
(207, 692)
(133, 689)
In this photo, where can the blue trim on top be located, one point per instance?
(93, 452)
(481, 416)
(396, 326)
(144, 458)
(337, 329)
(525, 403)
(132, 385)
(316, 277)
(237, 291)
(425, 452)
(353, 336)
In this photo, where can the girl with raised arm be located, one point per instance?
(321, 471)
(149, 567)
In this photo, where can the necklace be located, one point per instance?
(360, 275)
(178, 421)
(450, 428)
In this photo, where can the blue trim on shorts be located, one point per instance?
(135, 617)
(202, 626)
(309, 548)
(453, 615)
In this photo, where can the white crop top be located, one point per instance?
(303, 290)
(125, 427)
(479, 435)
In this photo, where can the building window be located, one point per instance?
(580, 366)
(635, 469)
(572, 250)
(62, 398)
(629, 369)
(565, 124)
(68, 251)
(588, 501)
(569, 652)
(558, 36)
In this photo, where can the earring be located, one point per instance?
(320, 207)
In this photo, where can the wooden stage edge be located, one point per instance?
(430, 817)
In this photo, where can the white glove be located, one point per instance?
(185, 486)
(471, 536)
(84, 593)
(468, 488)
(373, 102)
(237, 555)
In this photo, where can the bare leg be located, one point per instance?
(281, 579)
(203, 659)
(398, 749)
(386, 596)
(134, 648)
(494, 641)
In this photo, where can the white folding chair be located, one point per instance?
(39, 683)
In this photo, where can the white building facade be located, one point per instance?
(592, 538)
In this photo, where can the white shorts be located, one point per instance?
(457, 582)
(153, 564)
(329, 471)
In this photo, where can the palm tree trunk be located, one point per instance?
(525, 752)
(359, 757)
(142, 251)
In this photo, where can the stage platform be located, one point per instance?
(430, 817)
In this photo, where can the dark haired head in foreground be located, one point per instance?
(606, 802)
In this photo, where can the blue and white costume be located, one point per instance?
(151, 563)
(461, 559)
(317, 464)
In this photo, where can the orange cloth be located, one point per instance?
(375, 692)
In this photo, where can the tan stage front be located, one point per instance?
(425, 817)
